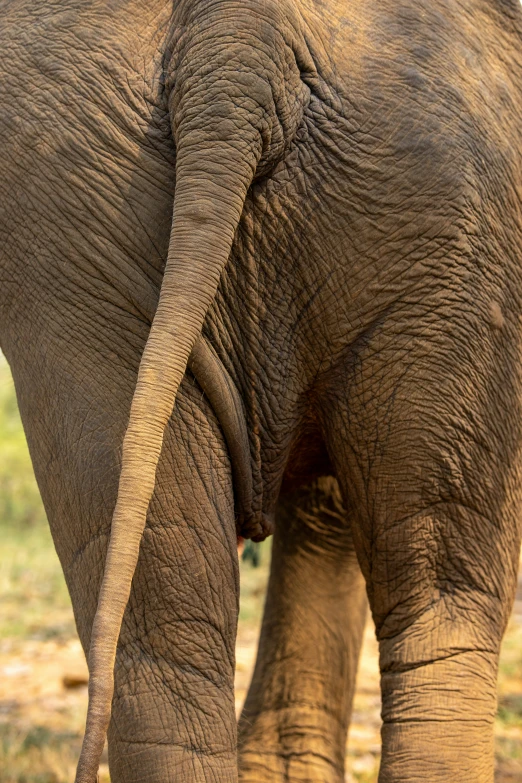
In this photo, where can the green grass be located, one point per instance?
(511, 656)
(20, 504)
(32, 587)
(38, 755)
(508, 724)
(34, 599)
(253, 586)
(366, 777)
(510, 710)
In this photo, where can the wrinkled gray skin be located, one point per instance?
(348, 234)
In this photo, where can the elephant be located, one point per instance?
(261, 274)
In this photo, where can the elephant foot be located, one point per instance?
(282, 768)
(291, 746)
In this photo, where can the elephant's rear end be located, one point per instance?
(348, 188)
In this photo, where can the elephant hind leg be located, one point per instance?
(428, 454)
(295, 720)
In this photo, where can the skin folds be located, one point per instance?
(329, 194)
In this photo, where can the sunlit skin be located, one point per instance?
(328, 195)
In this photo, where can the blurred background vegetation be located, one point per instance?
(20, 504)
(31, 584)
(43, 690)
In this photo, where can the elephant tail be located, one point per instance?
(226, 127)
(207, 209)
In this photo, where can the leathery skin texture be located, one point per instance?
(369, 315)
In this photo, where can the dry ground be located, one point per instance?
(42, 673)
